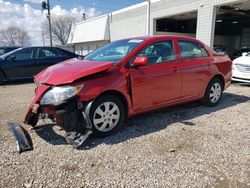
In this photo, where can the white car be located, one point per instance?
(241, 68)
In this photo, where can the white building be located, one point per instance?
(216, 22)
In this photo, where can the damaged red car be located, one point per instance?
(125, 78)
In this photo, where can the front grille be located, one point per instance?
(243, 68)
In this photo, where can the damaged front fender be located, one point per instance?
(31, 117)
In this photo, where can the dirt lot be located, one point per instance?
(185, 146)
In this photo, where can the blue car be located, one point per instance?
(26, 62)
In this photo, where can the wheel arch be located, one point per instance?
(221, 78)
(118, 95)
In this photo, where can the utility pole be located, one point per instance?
(46, 6)
(148, 17)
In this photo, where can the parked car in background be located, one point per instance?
(239, 53)
(241, 68)
(142, 74)
(26, 62)
(6, 49)
(220, 49)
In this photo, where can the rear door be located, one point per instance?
(195, 68)
(22, 63)
(159, 82)
(49, 56)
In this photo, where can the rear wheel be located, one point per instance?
(107, 115)
(213, 92)
(1, 78)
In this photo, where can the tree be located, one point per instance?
(60, 28)
(14, 36)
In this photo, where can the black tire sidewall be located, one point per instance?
(99, 101)
(206, 100)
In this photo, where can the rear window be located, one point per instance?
(190, 49)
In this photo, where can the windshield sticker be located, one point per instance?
(135, 41)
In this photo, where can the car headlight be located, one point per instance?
(58, 95)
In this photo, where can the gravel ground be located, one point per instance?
(184, 146)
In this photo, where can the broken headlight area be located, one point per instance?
(59, 95)
(73, 117)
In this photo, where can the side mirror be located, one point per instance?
(140, 61)
(244, 54)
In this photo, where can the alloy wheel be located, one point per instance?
(106, 116)
(215, 92)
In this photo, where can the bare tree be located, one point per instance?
(60, 28)
(14, 36)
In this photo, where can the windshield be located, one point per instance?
(114, 51)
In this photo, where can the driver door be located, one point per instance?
(159, 82)
(21, 64)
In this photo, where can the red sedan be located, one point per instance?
(125, 78)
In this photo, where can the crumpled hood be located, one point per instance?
(243, 60)
(70, 70)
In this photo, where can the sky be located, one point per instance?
(27, 14)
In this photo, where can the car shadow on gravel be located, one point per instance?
(149, 123)
(46, 132)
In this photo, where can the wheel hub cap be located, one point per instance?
(215, 92)
(106, 116)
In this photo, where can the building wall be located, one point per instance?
(128, 23)
(133, 21)
(95, 29)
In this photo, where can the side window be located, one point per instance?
(2, 51)
(159, 52)
(25, 54)
(50, 52)
(191, 50)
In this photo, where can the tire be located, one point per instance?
(1, 78)
(213, 92)
(107, 115)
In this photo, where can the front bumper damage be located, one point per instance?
(75, 120)
(23, 139)
(72, 116)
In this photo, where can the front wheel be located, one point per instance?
(107, 115)
(213, 92)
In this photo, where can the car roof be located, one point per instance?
(163, 37)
